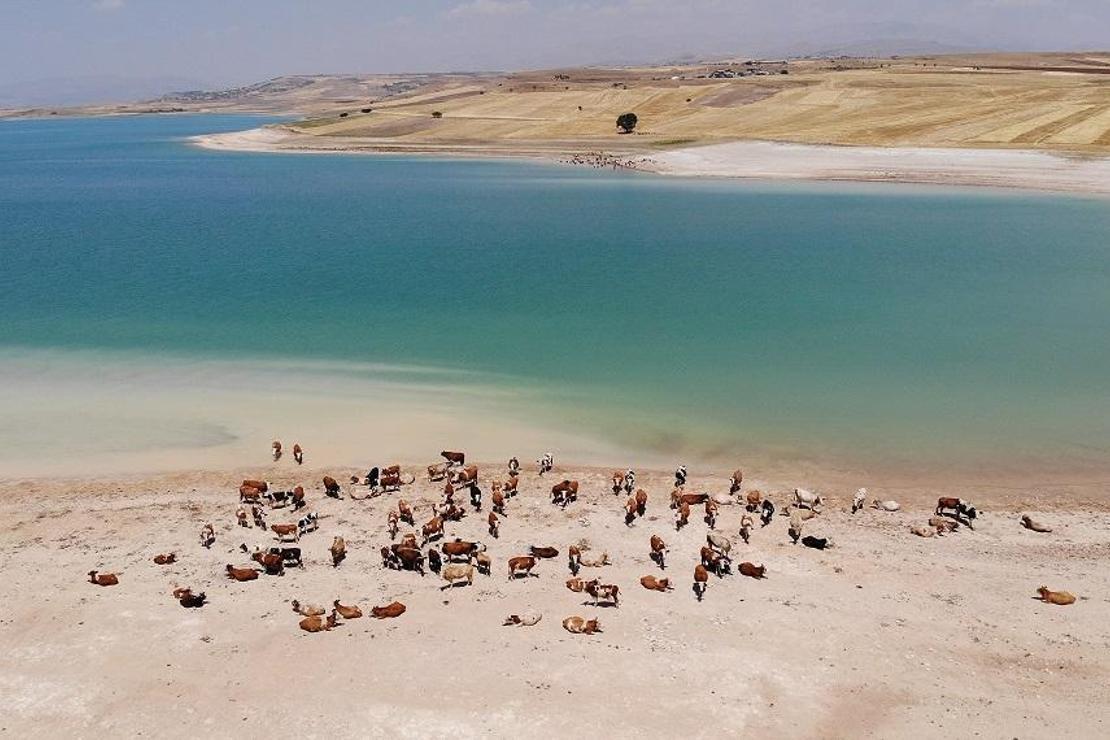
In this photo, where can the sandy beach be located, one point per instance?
(886, 634)
(997, 168)
(1004, 168)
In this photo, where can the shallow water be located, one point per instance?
(858, 325)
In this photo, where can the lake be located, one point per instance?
(167, 304)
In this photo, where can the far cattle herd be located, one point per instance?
(457, 562)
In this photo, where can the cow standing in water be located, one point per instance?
(298, 454)
(276, 449)
(680, 476)
(547, 462)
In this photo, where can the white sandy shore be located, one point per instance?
(1002, 168)
(1007, 168)
(886, 635)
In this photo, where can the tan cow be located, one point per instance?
(581, 625)
(1031, 524)
(457, 573)
(338, 551)
(317, 624)
(1060, 598)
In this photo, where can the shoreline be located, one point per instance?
(1009, 169)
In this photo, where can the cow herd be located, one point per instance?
(458, 562)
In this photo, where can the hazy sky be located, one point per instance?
(220, 42)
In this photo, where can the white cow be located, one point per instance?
(859, 500)
(804, 499)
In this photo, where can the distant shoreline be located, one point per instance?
(1021, 169)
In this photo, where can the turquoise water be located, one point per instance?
(881, 325)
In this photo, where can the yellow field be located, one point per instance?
(971, 101)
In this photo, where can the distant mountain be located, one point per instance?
(885, 48)
(88, 90)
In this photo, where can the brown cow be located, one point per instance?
(241, 574)
(544, 552)
(404, 511)
(574, 559)
(338, 551)
(165, 559)
(746, 525)
(408, 540)
(522, 564)
(754, 499)
(691, 499)
(498, 499)
(298, 453)
(1032, 524)
(298, 497)
(207, 536)
(243, 518)
(641, 502)
(331, 486)
(658, 551)
(564, 492)
(711, 513)
(618, 481)
(250, 495)
(453, 458)
(103, 579)
(284, 531)
(188, 599)
(581, 625)
(392, 524)
(577, 585)
(347, 612)
(701, 580)
(466, 476)
(318, 624)
(494, 525)
(432, 530)
(389, 611)
(510, 488)
(274, 565)
(630, 511)
(408, 558)
(651, 583)
(260, 485)
(715, 561)
(752, 570)
(459, 548)
(275, 448)
(737, 481)
(1060, 598)
(682, 516)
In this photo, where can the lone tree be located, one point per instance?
(626, 122)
